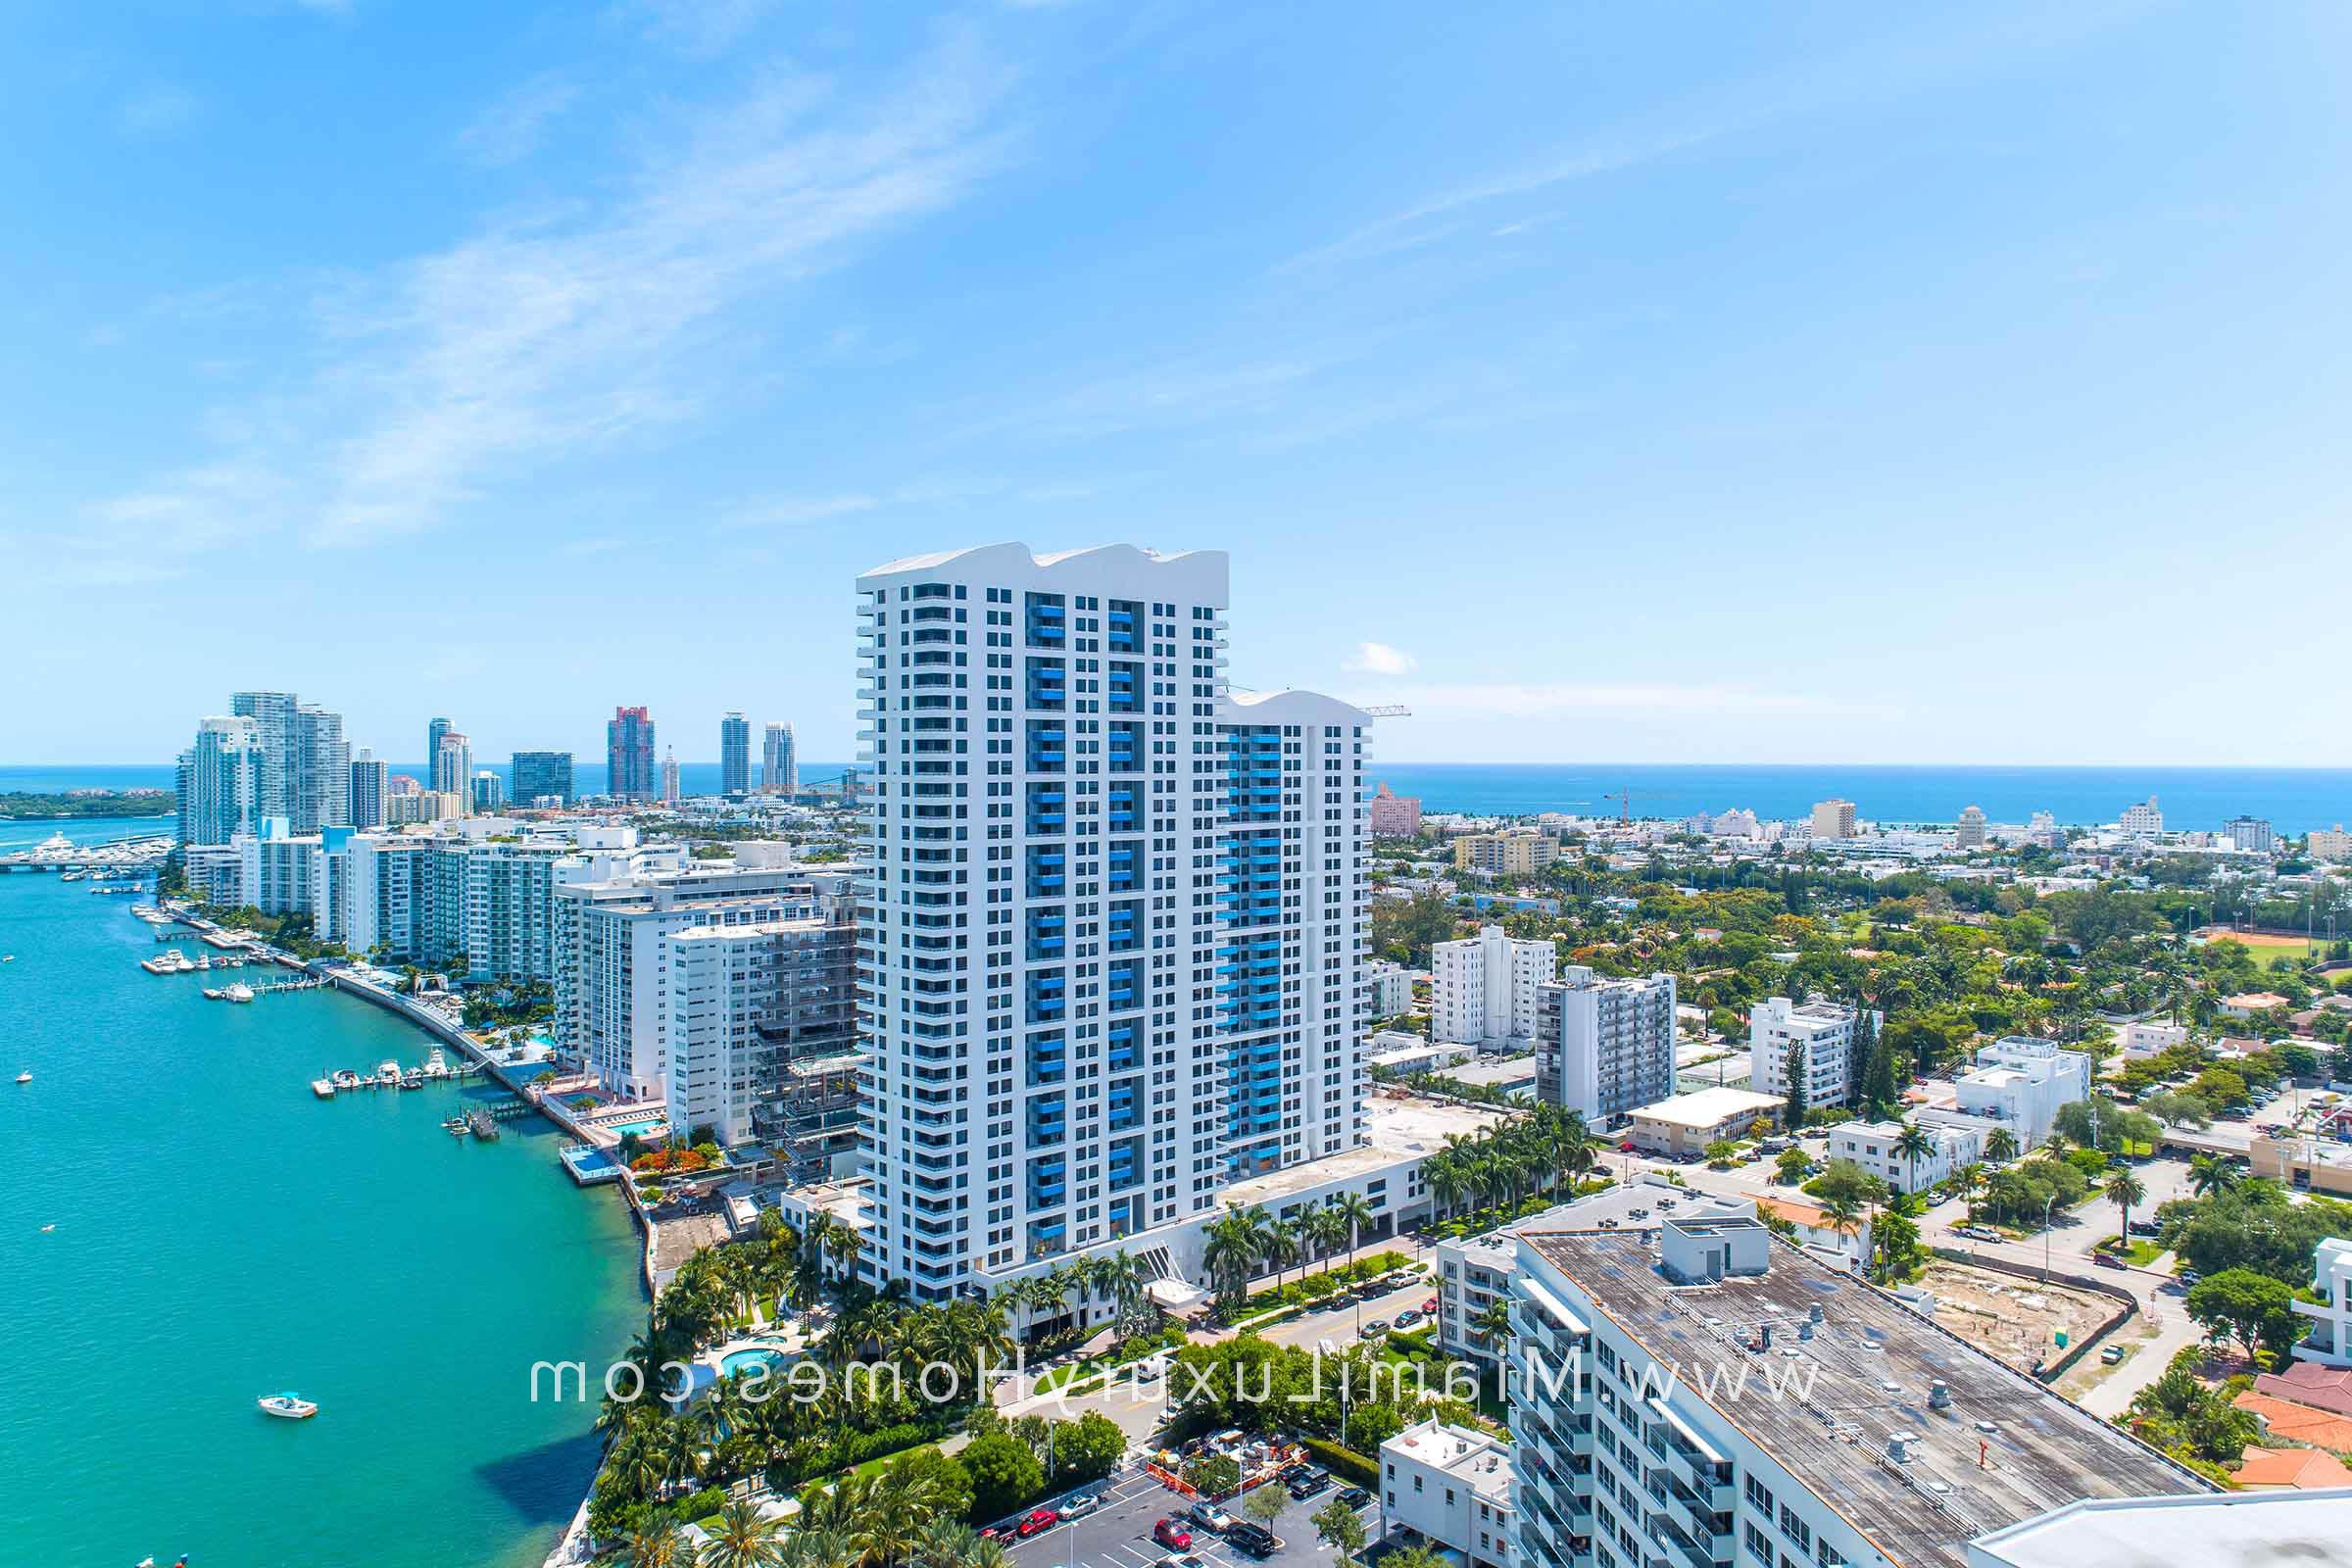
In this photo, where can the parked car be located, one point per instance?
(1001, 1530)
(1078, 1505)
(1183, 1560)
(1209, 1516)
(2108, 1260)
(1039, 1519)
(1408, 1318)
(1171, 1533)
(1355, 1497)
(2143, 1227)
(1252, 1538)
(1429, 1309)
(2112, 1354)
(1374, 1328)
(2188, 1276)
(1307, 1486)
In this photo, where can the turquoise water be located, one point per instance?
(221, 1234)
(741, 1361)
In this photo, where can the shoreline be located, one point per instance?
(571, 1548)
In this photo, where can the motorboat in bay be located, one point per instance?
(436, 1065)
(25, 1077)
(387, 1072)
(287, 1406)
(237, 991)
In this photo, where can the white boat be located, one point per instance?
(387, 1072)
(345, 1078)
(24, 1077)
(181, 964)
(289, 1407)
(436, 1065)
(323, 1088)
(213, 993)
(237, 991)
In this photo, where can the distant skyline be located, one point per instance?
(1944, 385)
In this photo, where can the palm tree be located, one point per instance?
(2123, 1190)
(740, 1538)
(1913, 1143)
(1356, 1211)
(985, 1554)
(1844, 1213)
(1491, 1327)
(1970, 1179)
(1329, 1227)
(1229, 1252)
(2001, 1146)
(1281, 1244)
(661, 1544)
(2211, 1177)
(1448, 1182)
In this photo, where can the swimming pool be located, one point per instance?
(736, 1362)
(639, 1125)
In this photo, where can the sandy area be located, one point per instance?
(2013, 1320)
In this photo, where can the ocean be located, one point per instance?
(222, 1234)
(2292, 800)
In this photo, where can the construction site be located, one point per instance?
(2015, 1321)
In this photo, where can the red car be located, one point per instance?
(1429, 1309)
(2108, 1260)
(1173, 1536)
(1039, 1519)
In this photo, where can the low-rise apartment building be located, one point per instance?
(1452, 1485)
(1873, 1147)
(1687, 1123)
(2020, 1082)
(1513, 852)
(1777, 1027)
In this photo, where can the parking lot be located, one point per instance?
(1118, 1534)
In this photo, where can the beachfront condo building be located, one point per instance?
(1485, 988)
(219, 781)
(762, 1036)
(370, 783)
(1833, 819)
(1604, 1046)
(453, 764)
(304, 762)
(629, 755)
(434, 731)
(1513, 852)
(542, 779)
(734, 754)
(612, 962)
(2143, 822)
(487, 792)
(1113, 953)
(1810, 1421)
(779, 761)
(1393, 815)
(1825, 1030)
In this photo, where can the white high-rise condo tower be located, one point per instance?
(779, 764)
(1115, 953)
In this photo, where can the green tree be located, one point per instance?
(1793, 1164)
(1089, 1448)
(740, 1538)
(1266, 1503)
(1004, 1474)
(1340, 1528)
(2257, 1311)
(2123, 1190)
(1793, 1110)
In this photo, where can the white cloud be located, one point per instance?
(697, 29)
(545, 337)
(511, 128)
(1379, 659)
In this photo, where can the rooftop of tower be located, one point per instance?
(1874, 1362)
(1019, 557)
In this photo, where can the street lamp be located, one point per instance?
(2048, 1204)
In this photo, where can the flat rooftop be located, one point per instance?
(1705, 1107)
(1875, 1359)
(1399, 1130)
(1482, 1462)
(2237, 1530)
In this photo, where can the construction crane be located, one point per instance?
(1625, 803)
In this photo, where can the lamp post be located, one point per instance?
(2048, 1204)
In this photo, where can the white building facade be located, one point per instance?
(1485, 988)
(1872, 1146)
(1114, 948)
(2020, 1082)
(1825, 1031)
(1452, 1485)
(1604, 1046)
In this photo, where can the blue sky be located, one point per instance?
(1673, 383)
